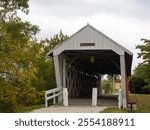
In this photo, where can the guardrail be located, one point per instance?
(52, 94)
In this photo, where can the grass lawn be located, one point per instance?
(113, 110)
(142, 104)
(29, 108)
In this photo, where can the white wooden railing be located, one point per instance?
(56, 92)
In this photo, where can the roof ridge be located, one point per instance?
(99, 32)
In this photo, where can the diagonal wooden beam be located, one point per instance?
(114, 63)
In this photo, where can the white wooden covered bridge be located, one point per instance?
(82, 59)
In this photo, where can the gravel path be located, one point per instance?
(73, 109)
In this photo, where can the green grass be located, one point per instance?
(29, 108)
(113, 110)
(142, 104)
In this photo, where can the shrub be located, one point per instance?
(106, 86)
(136, 85)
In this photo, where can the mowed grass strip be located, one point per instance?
(113, 110)
(142, 104)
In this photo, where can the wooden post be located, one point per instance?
(54, 99)
(65, 97)
(58, 74)
(127, 89)
(94, 97)
(57, 71)
(123, 80)
(113, 83)
(60, 98)
(120, 99)
(99, 87)
(64, 73)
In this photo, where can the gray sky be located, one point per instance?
(125, 21)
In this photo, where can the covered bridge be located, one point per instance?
(82, 59)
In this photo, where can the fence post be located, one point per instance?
(54, 99)
(120, 99)
(94, 97)
(60, 96)
(46, 102)
(65, 97)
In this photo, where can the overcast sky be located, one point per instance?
(125, 21)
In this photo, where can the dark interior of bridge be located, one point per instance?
(85, 68)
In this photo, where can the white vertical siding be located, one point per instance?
(89, 35)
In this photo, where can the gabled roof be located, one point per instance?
(79, 37)
(88, 42)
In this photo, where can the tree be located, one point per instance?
(9, 8)
(144, 67)
(142, 71)
(55, 40)
(136, 85)
(17, 70)
(106, 86)
(25, 72)
(46, 75)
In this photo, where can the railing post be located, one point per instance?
(120, 99)
(94, 97)
(54, 100)
(65, 97)
(60, 97)
(46, 102)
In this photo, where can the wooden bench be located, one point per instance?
(131, 103)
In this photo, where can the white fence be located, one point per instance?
(56, 92)
(62, 94)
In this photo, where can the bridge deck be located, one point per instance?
(81, 105)
(102, 102)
